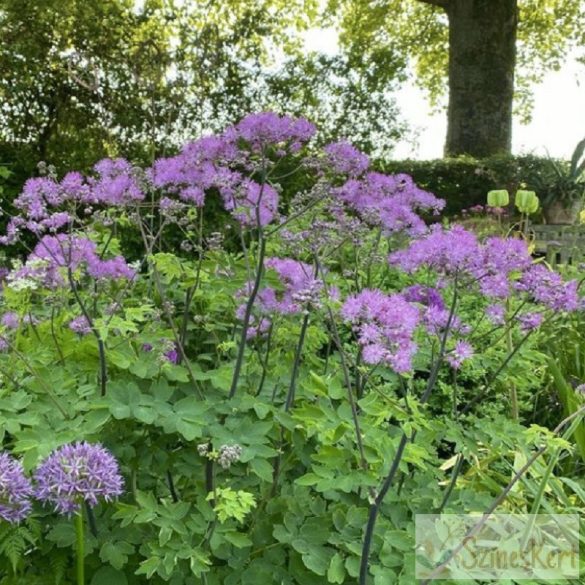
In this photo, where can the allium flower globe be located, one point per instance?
(15, 490)
(77, 472)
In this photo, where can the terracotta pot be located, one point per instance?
(559, 213)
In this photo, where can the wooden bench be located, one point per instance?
(559, 244)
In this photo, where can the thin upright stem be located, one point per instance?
(295, 372)
(404, 440)
(79, 531)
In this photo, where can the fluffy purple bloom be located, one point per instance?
(10, 320)
(461, 352)
(70, 252)
(300, 287)
(389, 201)
(425, 295)
(15, 490)
(78, 472)
(37, 196)
(343, 158)
(496, 314)
(115, 184)
(385, 326)
(172, 356)
(80, 325)
(251, 201)
(446, 250)
(494, 264)
(530, 321)
(547, 288)
(258, 328)
(267, 129)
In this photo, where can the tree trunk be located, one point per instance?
(482, 57)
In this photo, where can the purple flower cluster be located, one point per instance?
(547, 288)
(385, 326)
(55, 253)
(499, 266)
(298, 291)
(80, 325)
(10, 320)
(78, 472)
(15, 490)
(269, 130)
(251, 203)
(389, 201)
(344, 159)
(461, 352)
(69, 475)
(208, 164)
(39, 203)
(116, 183)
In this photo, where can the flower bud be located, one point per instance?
(498, 198)
(526, 201)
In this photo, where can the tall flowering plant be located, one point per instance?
(266, 401)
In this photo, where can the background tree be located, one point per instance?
(79, 80)
(82, 80)
(491, 51)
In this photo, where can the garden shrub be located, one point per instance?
(464, 182)
(272, 414)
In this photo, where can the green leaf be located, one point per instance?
(336, 571)
(318, 560)
(63, 534)
(116, 553)
(238, 539)
(109, 576)
(149, 567)
(262, 469)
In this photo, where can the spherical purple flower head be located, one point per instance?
(269, 130)
(345, 159)
(547, 288)
(78, 472)
(385, 326)
(10, 320)
(116, 183)
(461, 352)
(36, 204)
(251, 201)
(80, 325)
(15, 490)
(389, 201)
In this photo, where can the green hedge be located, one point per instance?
(464, 182)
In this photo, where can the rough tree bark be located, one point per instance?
(482, 58)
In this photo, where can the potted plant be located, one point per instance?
(563, 190)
